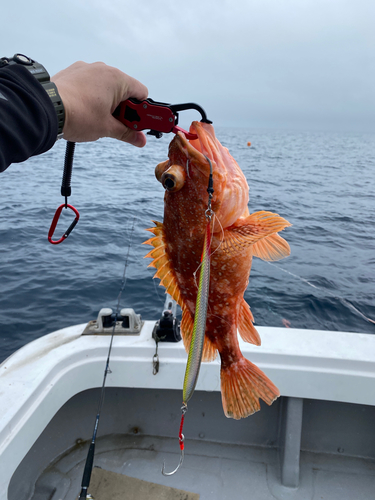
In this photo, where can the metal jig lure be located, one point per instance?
(197, 340)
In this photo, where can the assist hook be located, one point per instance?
(181, 439)
(178, 466)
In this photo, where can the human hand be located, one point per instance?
(90, 94)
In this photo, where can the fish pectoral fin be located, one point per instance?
(272, 247)
(250, 230)
(246, 328)
(242, 385)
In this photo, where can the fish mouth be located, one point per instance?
(206, 140)
(198, 150)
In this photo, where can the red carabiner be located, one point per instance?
(55, 220)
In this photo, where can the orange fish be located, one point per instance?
(237, 236)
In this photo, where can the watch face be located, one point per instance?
(22, 59)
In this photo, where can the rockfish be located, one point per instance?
(237, 236)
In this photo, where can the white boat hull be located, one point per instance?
(39, 379)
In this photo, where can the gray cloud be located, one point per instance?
(295, 63)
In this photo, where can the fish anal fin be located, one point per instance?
(187, 326)
(242, 385)
(246, 328)
(247, 231)
(271, 248)
(209, 350)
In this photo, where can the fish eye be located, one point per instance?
(174, 178)
(169, 183)
(160, 169)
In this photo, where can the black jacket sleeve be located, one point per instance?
(28, 121)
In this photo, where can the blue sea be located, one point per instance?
(323, 183)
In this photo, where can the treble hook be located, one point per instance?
(180, 463)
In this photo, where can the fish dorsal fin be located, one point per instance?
(162, 263)
(166, 274)
(273, 247)
(250, 230)
(246, 328)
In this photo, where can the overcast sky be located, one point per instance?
(260, 63)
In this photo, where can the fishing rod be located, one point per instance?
(91, 452)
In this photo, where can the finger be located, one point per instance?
(118, 130)
(137, 139)
(135, 89)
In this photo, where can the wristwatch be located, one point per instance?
(41, 74)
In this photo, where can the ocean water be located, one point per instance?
(323, 183)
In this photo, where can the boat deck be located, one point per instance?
(214, 471)
(224, 459)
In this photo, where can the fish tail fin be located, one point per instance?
(242, 384)
(187, 326)
(246, 328)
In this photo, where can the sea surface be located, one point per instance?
(323, 183)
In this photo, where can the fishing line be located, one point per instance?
(324, 290)
(209, 212)
(157, 289)
(201, 263)
(90, 454)
(222, 233)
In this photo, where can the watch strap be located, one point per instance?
(54, 95)
(41, 74)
